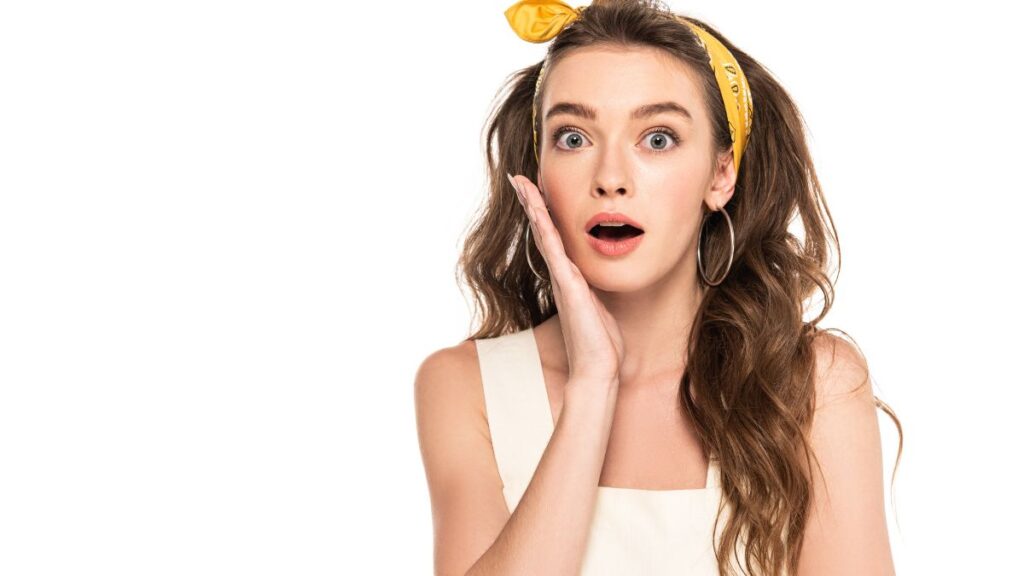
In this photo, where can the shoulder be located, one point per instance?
(458, 360)
(846, 530)
(466, 491)
(448, 383)
(449, 400)
(840, 371)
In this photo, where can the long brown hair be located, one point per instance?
(750, 359)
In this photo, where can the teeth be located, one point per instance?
(612, 224)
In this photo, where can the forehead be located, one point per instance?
(615, 80)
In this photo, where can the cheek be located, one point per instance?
(561, 216)
(550, 182)
(676, 215)
(554, 187)
(670, 206)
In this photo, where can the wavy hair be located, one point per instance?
(750, 355)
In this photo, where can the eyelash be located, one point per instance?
(659, 130)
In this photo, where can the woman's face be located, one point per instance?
(655, 168)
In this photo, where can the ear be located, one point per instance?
(723, 182)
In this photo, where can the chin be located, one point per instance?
(621, 276)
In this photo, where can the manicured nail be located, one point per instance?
(513, 183)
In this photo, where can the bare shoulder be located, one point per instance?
(448, 392)
(840, 372)
(449, 379)
(846, 529)
(465, 487)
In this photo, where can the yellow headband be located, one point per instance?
(541, 20)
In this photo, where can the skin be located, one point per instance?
(619, 164)
(658, 178)
(610, 163)
(635, 325)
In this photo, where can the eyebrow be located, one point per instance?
(645, 111)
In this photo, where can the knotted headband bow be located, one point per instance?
(541, 20)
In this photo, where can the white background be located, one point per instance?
(228, 236)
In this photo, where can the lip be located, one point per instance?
(610, 217)
(614, 247)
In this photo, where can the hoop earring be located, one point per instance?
(528, 261)
(732, 247)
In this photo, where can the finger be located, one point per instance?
(534, 217)
(530, 193)
(538, 235)
(548, 238)
(525, 199)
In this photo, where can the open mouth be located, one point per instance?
(614, 233)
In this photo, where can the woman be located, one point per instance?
(644, 396)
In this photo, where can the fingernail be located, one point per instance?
(513, 183)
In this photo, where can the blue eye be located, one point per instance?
(575, 138)
(660, 133)
(557, 136)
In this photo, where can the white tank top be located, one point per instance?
(634, 531)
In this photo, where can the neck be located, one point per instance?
(655, 323)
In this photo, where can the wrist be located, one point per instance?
(588, 390)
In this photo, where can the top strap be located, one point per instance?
(518, 410)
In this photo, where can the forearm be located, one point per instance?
(547, 532)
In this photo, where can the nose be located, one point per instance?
(603, 191)
(612, 175)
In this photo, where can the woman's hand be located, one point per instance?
(593, 342)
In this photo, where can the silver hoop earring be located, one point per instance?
(528, 261)
(732, 248)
